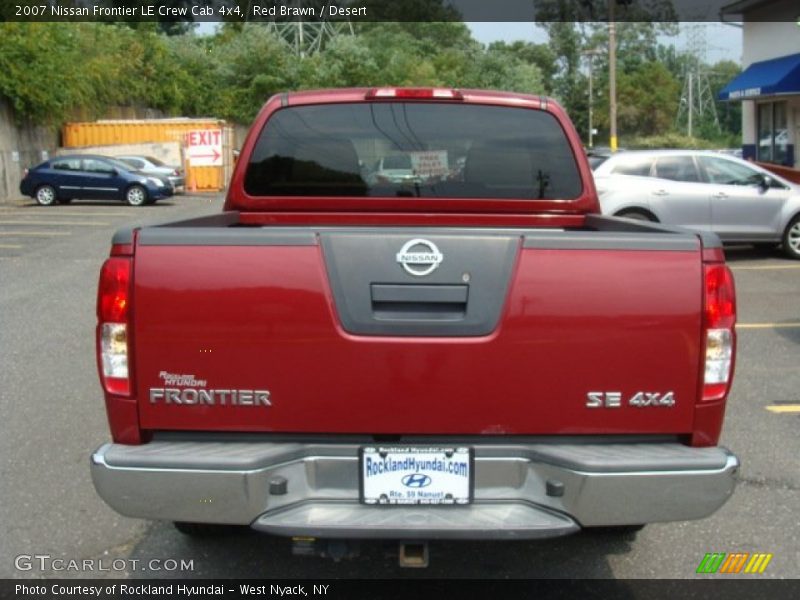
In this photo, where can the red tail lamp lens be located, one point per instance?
(114, 290)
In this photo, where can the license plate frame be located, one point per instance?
(416, 475)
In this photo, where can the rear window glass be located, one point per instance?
(413, 149)
(595, 160)
(133, 162)
(677, 168)
(639, 167)
(67, 164)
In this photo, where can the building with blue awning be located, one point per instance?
(769, 85)
(766, 78)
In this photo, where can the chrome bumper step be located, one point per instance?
(358, 521)
(520, 490)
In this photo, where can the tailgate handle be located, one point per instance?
(419, 293)
(397, 301)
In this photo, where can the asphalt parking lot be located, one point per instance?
(53, 417)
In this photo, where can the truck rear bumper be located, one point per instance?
(521, 490)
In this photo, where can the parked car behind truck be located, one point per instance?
(481, 356)
(705, 191)
(157, 168)
(90, 177)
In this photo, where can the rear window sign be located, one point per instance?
(430, 164)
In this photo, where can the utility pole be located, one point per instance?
(591, 54)
(691, 102)
(612, 75)
(299, 41)
(591, 124)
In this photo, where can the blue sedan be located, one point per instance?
(85, 176)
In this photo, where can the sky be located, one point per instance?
(723, 42)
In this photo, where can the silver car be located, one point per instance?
(709, 191)
(153, 166)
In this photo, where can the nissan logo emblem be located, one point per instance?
(419, 257)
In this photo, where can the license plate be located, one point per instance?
(416, 475)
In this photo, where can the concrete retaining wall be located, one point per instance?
(21, 147)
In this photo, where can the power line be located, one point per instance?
(307, 37)
(697, 101)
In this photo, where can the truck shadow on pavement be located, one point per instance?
(791, 334)
(241, 553)
(739, 253)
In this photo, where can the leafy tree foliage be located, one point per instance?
(248, 68)
(32, 77)
(50, 70)
(646, 99)
(538, 55)
(346, 62)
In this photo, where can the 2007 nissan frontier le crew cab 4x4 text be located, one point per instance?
(410, 322)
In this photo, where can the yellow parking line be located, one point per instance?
(767, 325)
(34, 233)
(11, 246)
(765, 268)
(784, 408)
(54, 223)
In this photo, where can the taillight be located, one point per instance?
(113, 305)
(414, 93)
(720, 338)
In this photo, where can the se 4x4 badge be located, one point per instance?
(638, 400)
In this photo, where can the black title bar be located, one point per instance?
(263, 11)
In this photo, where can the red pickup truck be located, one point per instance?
(410, 322)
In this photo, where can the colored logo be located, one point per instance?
(734, 562)
(416, 480)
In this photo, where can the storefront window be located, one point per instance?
(773, 133)
(765, 132)
(780, 133)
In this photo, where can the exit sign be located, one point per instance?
(204, 147)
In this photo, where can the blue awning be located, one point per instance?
(765, 78)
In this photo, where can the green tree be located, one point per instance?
(566, 43)
(541, 56)
(32, 76)
(347, 61)
(500, 70)
(199, 60)
(569, 85)
(647, 99)
(400, 57)
(256, 65)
